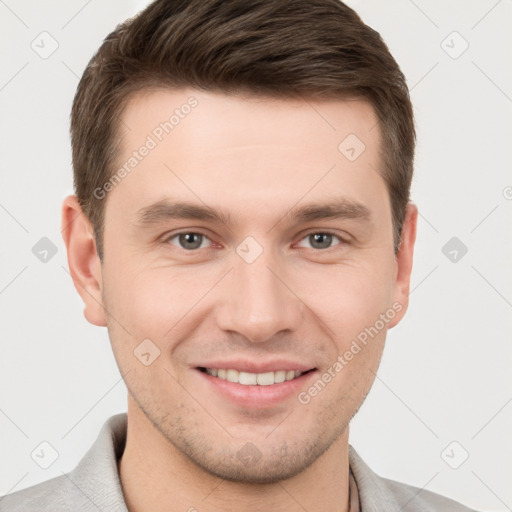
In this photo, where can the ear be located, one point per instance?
(83, 260)
(403, 260)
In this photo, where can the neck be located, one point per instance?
(156, 476)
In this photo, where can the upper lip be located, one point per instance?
(244, 365)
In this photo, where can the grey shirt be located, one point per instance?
(94, 485)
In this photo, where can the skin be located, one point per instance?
(256, 158)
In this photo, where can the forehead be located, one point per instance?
(245, 150)
(158, 112)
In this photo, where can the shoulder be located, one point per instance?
(414, 499)
(51, 495)
(377, 494)
(91, 486)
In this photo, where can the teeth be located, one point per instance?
(265, 379)
(253, 379)
(232, 375)
(249, 379)
(279, 376)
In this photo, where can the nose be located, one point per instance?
(258, 300)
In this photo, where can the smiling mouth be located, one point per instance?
(254, 379)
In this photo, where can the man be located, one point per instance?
(242, 227)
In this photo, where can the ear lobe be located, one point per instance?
(83, 260)
(404, 259)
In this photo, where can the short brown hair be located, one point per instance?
(279, 48)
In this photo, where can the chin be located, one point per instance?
(267, 470)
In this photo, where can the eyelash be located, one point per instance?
(342, 241)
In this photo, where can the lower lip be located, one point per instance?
(255, 396)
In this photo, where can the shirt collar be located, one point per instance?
(95, 482)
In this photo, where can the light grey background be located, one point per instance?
(446, 371)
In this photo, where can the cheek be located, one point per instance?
(157, 301)
(152, 302)
(348, 298)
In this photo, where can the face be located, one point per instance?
(247, 244)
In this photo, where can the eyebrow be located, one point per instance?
(340, 209)
(164, 210)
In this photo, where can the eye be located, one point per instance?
(320, 240)
(188, 240)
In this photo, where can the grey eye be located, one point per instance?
(188, 240)
(320, 240)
